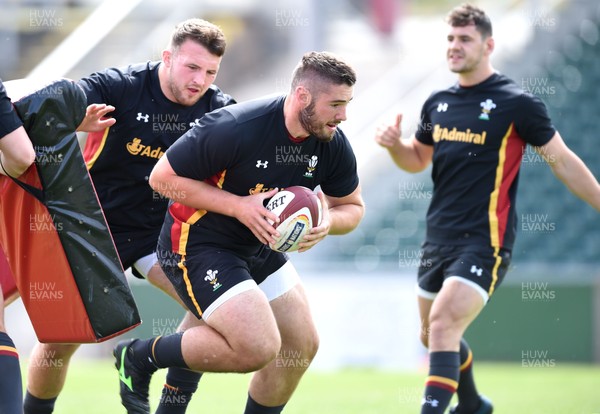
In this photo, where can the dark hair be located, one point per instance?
(467, 14)
(202, 32)
(322, 67)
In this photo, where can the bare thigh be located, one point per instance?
(240, 335)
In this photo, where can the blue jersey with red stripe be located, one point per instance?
(246, 149)
(479, 135)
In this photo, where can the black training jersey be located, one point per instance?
(9, 120)
(479, 136)
(121, 158)
(246, 149)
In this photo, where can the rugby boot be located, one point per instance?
(133, 381)
(486, 407)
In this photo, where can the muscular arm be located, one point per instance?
(16, 153)
(345, 212)
(249, 210)
(408, 154)
(571, 170)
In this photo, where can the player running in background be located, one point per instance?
(151, 104)
(474, 133)
(213, 246)
(16, 155)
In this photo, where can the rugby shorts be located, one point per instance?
(481, 267)
(213, 275)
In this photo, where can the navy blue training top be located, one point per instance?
(121, 157)
(479, 135)
(245, 149)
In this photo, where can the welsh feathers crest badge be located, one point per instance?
(486, 108)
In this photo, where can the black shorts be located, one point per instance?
(482, 267)
(213, 275)
(133, 246)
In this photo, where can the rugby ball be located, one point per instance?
(299, 210)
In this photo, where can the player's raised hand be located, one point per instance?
(408, 154)
(253, 214)
(388, 135)
(95, 118)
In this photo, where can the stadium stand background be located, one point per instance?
(560, 65)
(563, 68)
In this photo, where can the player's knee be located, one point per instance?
(55, 351)
(299, 353)
(310, 345)
(439, 324)
(444, 331)
(255, 355)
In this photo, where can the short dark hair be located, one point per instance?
(322, 67)
(202, 32)
(467, 14)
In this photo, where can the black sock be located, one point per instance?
(35, 405)
(252, 407)
(178, 390)
(160, 352)
(441, 382)
(468, 397)
(11, 390)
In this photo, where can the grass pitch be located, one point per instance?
(92, 388)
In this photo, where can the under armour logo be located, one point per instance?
(442, 107)
(260, 163)
(477, 270)
(196, 122)
(142, 117)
